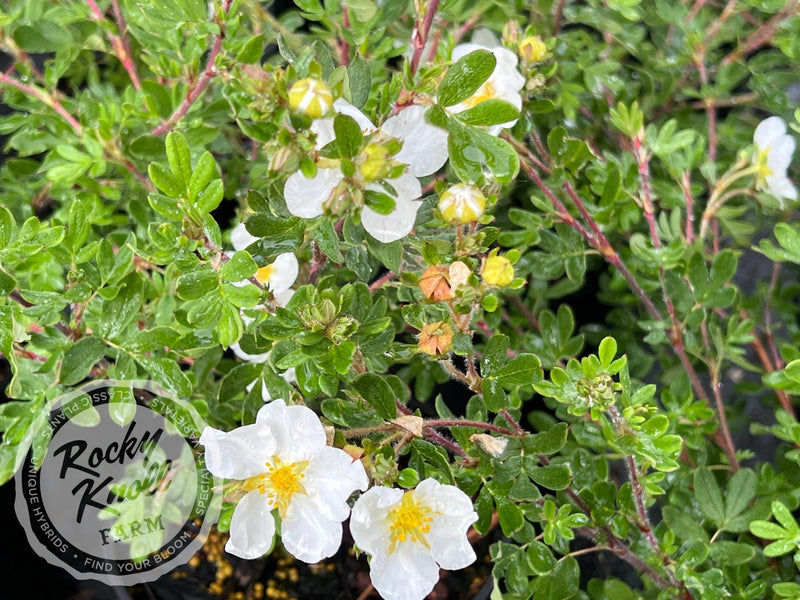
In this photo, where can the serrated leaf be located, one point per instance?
(465, 77)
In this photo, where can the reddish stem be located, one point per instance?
(208, 74)
(46, 99)
(419, 37)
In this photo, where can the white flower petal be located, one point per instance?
(424, 146)
(252, 527)
(307, 534)
(780, 153)
(237, 454)
(251, 358)
(334, 475)
(768, 131)
(399, 223)
(241, 238)
(304, 197)
(448, 533)
(368, 520)
(343, 107)
(462, 50)
(284, 272)
(282, 298)
(323, 128)
(408, 574)
(297, 430)
(781, 187)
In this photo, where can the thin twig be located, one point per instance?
(419, 37)
(208, 74)
(45, 99)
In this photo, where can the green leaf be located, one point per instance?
(121, 310)
(80, 358)
(547, 442)
(167, 372)
(240, 266)
(165, 181)
(471, 150)
(360, 77)
(348, 136)
(378, 394)
(682, 525)
(210, 198)
(328, 240)
(731, 553)
(465, 77)
(202, 174)
(7, 283)
(7, 227)
(489, 112)
(784, 516)
(493, 395)
(197, 284)
(391, 254)
(708, 495)
(381, 203)
(741, 490)
(42, 36)
(560, 584)
(509, 515)
(179, 157)
(553, 477)
(607, 351)
(524, 369)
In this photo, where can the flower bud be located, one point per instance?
(497, 270)
(435, 283)
(311, 97)
(436, 338)
(532, 49)
(461, 204)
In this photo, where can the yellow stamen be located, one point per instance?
(761, 164)
(279, 483)
(409, 522)
(264, 274)
(485, 92)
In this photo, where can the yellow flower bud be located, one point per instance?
(497, 270)
(436, 338)
(532, 49)
(311, 97)
(461, 204)
(374, 162)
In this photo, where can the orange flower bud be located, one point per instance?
(436, 338)
(435, 283)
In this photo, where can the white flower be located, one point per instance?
(278, 276)
(424, 152)
(284, 464)
(504, 83)
(410, 535)
(774, 149)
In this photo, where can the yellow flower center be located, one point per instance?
(761, 164)
(374, 162)
(485, 92)
(279, 483)
(264, 274)
(409, 522)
